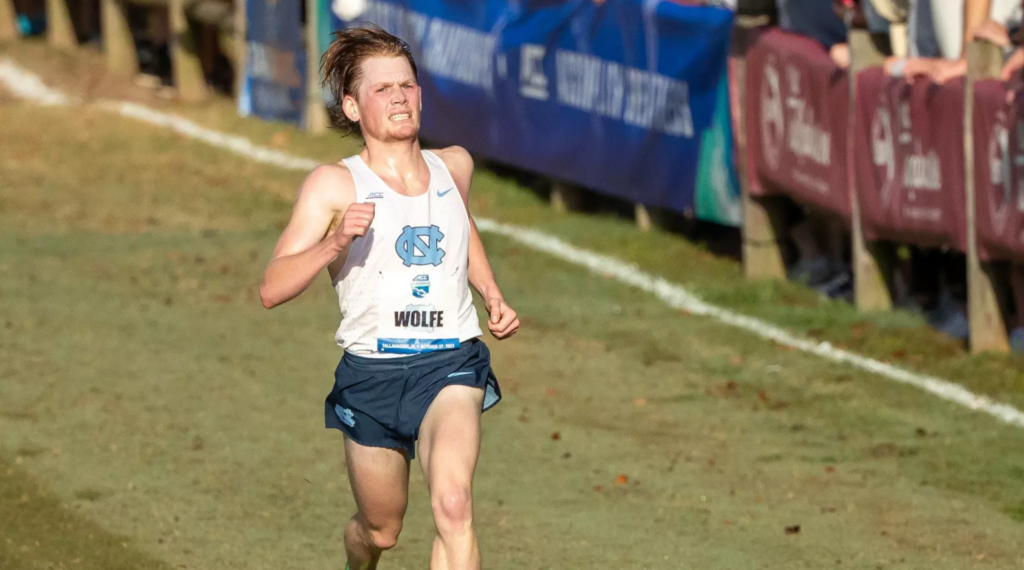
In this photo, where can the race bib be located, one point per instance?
(417, 312)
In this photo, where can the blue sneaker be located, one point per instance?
(1017, 339)
(811, 272)
(955, 325)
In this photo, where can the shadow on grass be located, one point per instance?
(36, 531)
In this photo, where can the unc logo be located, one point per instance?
(420, 246)
(345, 415)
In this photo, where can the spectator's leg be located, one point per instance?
(953, 298)
(925, 281)
(1017, 290)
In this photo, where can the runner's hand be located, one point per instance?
(355, 223)
(503, 321)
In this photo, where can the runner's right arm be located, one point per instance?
(306, 246)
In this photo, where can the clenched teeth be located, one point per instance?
(399, 117)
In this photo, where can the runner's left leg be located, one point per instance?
(449, 448)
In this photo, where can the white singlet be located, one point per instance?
(404, 287)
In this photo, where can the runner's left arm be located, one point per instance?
(503, 321)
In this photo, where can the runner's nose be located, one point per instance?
(398, 96)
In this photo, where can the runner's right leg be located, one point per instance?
(380, 484)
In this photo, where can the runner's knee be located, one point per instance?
(385, 537)
(453, 509)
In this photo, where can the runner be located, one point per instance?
(392, 227)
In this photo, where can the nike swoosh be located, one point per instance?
(441, 194)
(459, 374)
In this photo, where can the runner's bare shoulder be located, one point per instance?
(460, 165)
(330, 187)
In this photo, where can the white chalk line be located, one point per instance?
(28, 86)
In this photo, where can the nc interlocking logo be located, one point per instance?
(420, 246)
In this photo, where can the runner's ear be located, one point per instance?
(351, 108)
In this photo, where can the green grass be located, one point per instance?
(156, 416)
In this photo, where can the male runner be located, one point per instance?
(401, 259)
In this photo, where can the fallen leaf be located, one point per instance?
(279, 139)
(622, 479)
(556, 436)
(762, 396)
(830, 469)
(795, 529)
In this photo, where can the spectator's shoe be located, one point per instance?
(1017, 339)
(838, 287)
(811, 272)
(955, 325)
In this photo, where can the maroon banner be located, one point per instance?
(796, 109)
(998, 172)
(909, 155)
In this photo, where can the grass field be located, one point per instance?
(153, 415)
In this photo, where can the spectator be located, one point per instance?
(889, 17)
(812, 18)
(938, 30)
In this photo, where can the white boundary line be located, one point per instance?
(28, 86)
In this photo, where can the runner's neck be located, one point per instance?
(399, 164)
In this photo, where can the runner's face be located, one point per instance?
(389, 100)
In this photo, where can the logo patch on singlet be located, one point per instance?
(420, 246)
(420, 286)
(375, 196)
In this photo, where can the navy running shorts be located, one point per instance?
(381, 402)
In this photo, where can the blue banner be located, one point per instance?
(274, 86)
(626, 97)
